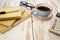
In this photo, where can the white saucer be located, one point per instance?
(45, 18)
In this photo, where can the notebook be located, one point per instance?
(3, 28)
(7, 22)
(25, 16)
(10, 22)
(10, 15)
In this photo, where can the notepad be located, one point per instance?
(10, 15)
(7, 22)
(2, 28)
(10, 22)
(25, 16)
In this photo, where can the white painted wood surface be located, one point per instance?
(23, 31)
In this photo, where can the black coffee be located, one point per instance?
(43, 8)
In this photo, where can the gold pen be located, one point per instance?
(9, 11)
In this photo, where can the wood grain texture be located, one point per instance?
(23, 31)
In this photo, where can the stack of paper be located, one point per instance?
(7, 24)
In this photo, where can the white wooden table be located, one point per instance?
(27, 30)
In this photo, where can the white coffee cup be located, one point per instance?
(42, 10)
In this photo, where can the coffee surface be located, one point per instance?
(43, 8)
